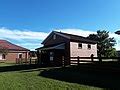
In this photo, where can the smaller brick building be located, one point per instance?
(13, 52)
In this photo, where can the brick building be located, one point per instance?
(10, 52)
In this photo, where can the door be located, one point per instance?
(3, 56)
(59, 57)
(20, 55)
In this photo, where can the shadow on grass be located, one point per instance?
(18, 67)
(86, 75)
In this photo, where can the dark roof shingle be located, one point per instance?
(77, 38)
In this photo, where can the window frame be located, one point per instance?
(54, 36)
(51, 56)
(88, 46)
(20, 55)
(79, 47)
(3, 56)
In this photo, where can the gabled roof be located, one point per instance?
(71, 37)
(7, 45)
(58, 46)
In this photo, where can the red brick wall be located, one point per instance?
(11, 56)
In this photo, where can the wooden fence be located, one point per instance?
(28, 61)
(78, 60)
(74, 60)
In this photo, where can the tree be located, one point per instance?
(3, 50)
(105, 44)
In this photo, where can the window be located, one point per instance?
(51, 56)
(51, 53)
(20, 55)
(54, 37)
(3, 56)
(89, 46)
(79, 45)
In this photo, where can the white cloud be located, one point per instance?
(31, 39)
(19, 34)
(80, 32)
(26, 38)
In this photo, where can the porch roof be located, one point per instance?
(59, 46)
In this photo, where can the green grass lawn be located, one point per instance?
(2, 64)
(31, 80)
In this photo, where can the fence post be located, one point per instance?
(30, 60)
(21, 60)
(78, 58)
(100, 59)
(16, 61)
(92, 57)
(63, 61)
(118, 59)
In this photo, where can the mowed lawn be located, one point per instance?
(31, 80)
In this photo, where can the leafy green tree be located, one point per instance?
(105, 43)
(3, 50)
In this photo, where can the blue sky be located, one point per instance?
(28, 22)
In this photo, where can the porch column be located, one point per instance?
(26, 57)
(39, 57)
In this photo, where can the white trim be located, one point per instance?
(60, 46)
(19, 54)
(0, 56)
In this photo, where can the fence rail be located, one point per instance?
(78, 60)
(95, 57)
(26, 61)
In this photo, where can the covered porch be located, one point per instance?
(52, 55)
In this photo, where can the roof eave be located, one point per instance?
(57, 33)
(92, 42)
